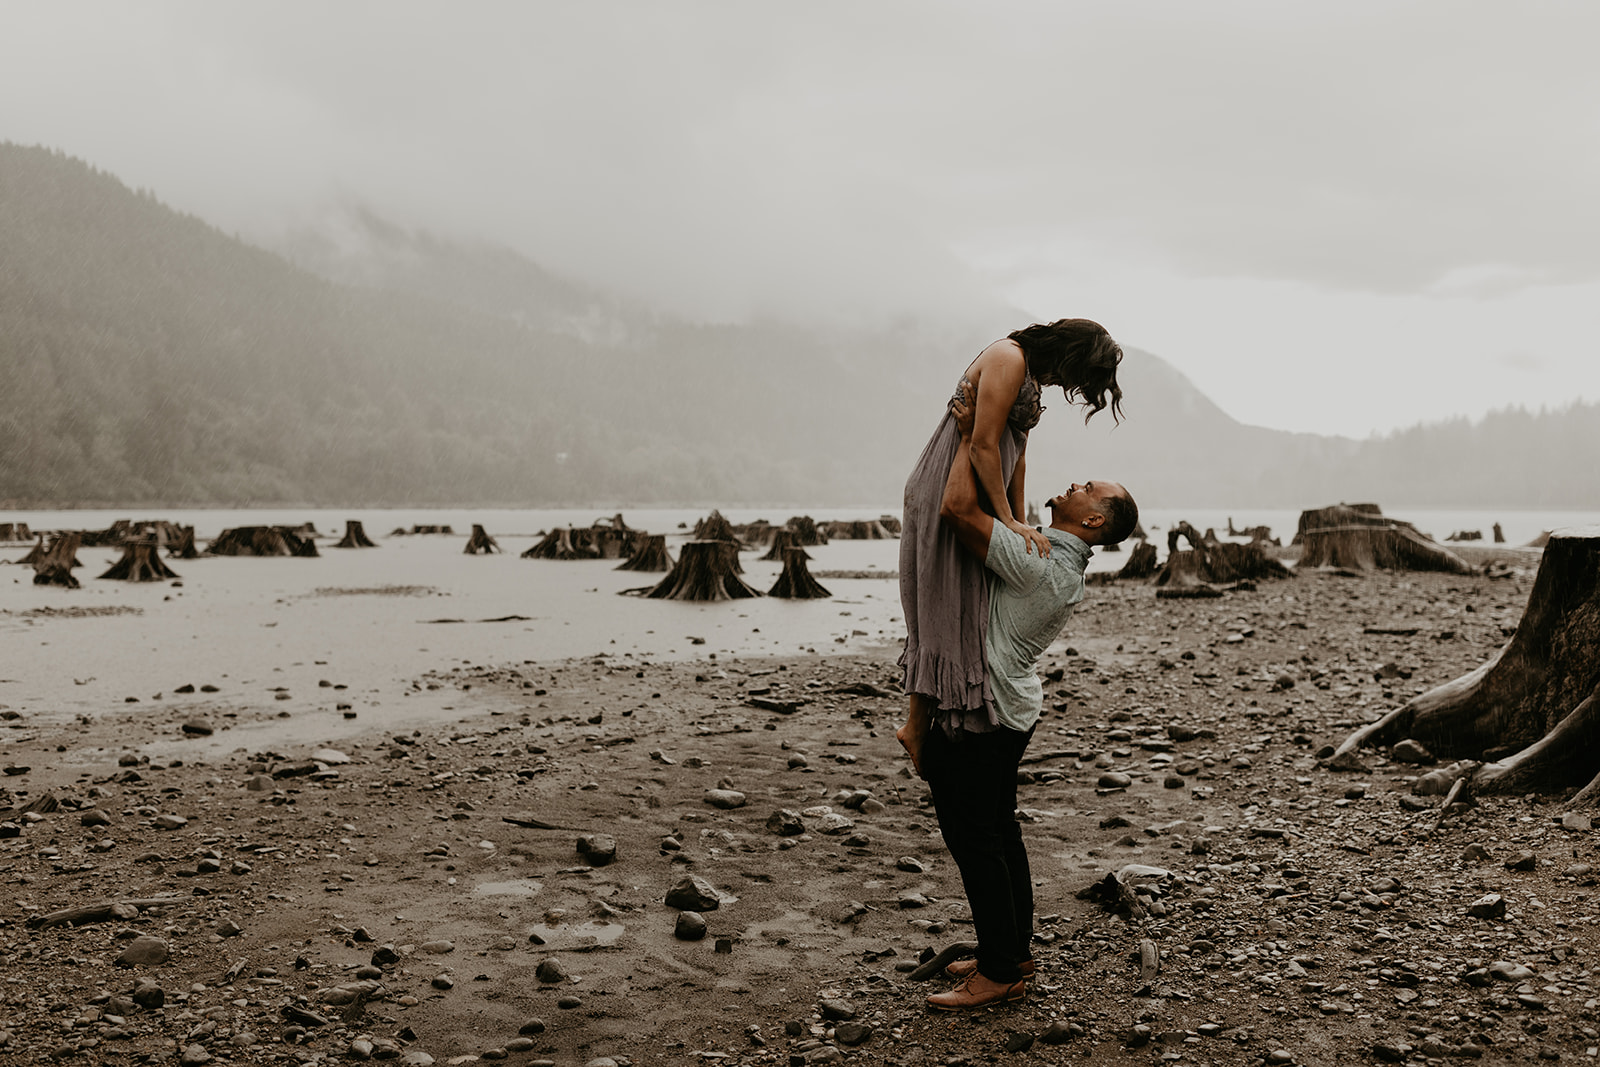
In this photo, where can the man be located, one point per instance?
(970, 760)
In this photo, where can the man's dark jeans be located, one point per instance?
(974, 784)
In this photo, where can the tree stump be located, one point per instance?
(649, 554)
(1499, 535)
(15, 531)
(1358, 536)
(261, 541)
(185, 549)
(55, 566)
(35, 554)
(715, 528)
(806, 531)
(355, 536)
(562, 542)
(611, 542)
(1212, 567)
(140, 562)
(705, 571)
(1531, 713)
(480, 541)
(1261, 534)
(1141, 562)
(781, 540)
(796, 583)
(859, 530)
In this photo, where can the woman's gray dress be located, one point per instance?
(942, 585)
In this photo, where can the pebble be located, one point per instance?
(1409, 751)
(725, 799)
(1114, 780)
(194, 1055)
(691, 926)
(834, 1009)
(1488, 906)
(1522, 861)
(852, 1033)
(437, 948)
(598, 849)
(550, 971)
(198, 728)
(1474, 853)
(532, 1026)
(785, 823)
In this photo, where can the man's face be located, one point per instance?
(1081, 501)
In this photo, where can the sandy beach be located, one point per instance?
(384, 835)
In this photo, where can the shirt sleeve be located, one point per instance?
(1009, 558)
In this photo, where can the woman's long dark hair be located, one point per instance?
(1079, 356)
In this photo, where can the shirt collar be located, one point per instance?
(1077, 546)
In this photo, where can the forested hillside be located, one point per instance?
(147, 358)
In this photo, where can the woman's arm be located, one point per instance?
(1000, 372)
(1019, 500)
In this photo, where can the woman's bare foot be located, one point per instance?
(911, 736)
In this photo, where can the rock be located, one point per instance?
(414, 1058)
(567, 1003)
(550, 971)
(229, 928)
(532, 1026)
(1474, 853)
(330, 756)
(598, 849)
(385, 956)
(1114, 780)
(1409, 751)
(146, 950)
(437, 948)
(520, 1044)
(1506, 971)
(1488, 906)
(693, 893)
(834, 1009)
(198, 728)
(170, 822)
(691, 926)
(194, 1055)
(1179, 732)
(1018, 1041)
(1576, 820)
(1522, 861)
(259, 783)
(1057, 1033)
(725, 799)
(833, 824)
(785, 823)
(1173, 781)
(852, 1033)
(149, 995)
(94, 817)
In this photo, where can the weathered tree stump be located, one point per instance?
(1465, 535)
(355, 536)
(140, 562)
(781, 540)
(1358, 536)
(859, 530)
(611, 542)
(796, 583)
(35, 554)
(706, 570)
(480, 541)
(649, 554)
(1141, 562)
(563, 542)
(806, 531)
(55, 566)
(1499, 535)
(185, 548)
(15, 531)
(755, 534)
(1529, 718)
(714, 527)
(1212, 567)
(261, 541)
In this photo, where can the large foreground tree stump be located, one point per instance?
(480, 541)
(796, 583)
(355, 536)
(649, 554)
(1358, 536)
(705, 571)
(140, 562)
(55, 566)
(1529, 718)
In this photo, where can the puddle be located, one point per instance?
(593, 934)
(522, 887)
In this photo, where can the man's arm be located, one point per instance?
(959, 508)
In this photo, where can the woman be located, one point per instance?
(942, 588)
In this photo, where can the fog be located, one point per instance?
(1337, 218)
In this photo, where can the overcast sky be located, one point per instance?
(1339, 217)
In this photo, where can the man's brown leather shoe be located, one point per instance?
(962, 968)
(976, 991)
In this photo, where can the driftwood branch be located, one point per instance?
(100, 911)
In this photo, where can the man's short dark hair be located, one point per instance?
(1122, 515)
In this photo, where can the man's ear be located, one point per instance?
(1094, 519)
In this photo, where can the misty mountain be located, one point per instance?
(148, 358)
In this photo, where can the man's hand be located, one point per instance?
(962, 407)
